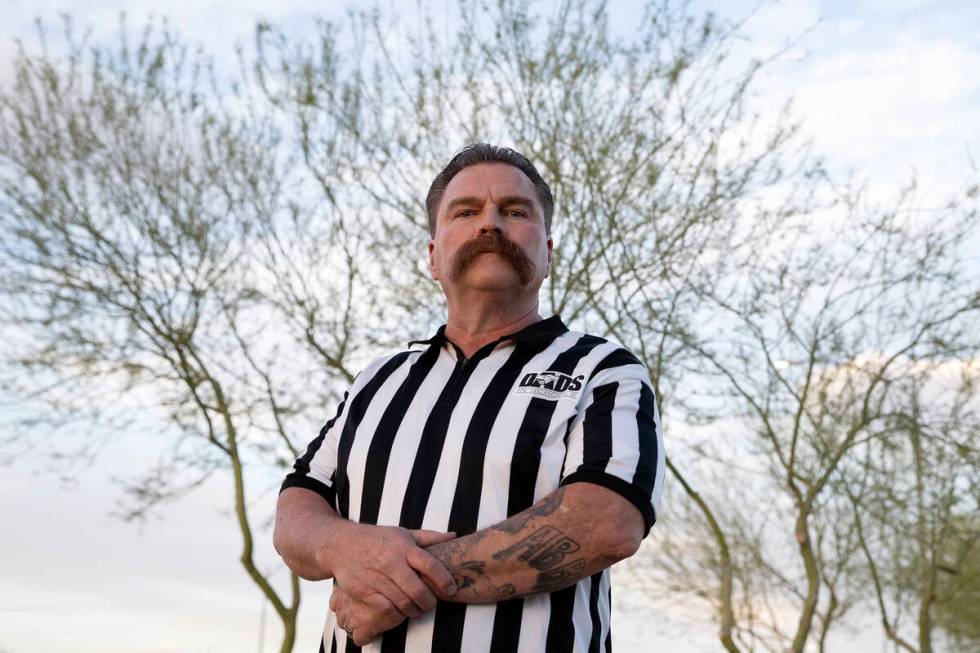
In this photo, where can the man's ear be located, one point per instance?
(550, 243)
(432, 263)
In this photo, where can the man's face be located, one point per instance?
(490, 232)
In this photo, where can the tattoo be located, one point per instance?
(506, 591)
(547, 506)
(556, 579)
(546, 550)
(542, 549)
(470, 574)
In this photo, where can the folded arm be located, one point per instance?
(381, 566)
(572, 533)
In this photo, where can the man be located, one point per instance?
(471, 495)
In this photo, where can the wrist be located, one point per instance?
(332, 534)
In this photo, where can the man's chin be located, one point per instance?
(489, 266)
(492, 280)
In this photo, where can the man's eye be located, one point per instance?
(519, 214)
(465, 213)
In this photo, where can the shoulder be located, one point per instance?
(383, 366)
(606, 360)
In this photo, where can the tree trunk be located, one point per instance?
(725, 591)
(812, 580)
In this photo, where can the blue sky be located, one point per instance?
(885, 89)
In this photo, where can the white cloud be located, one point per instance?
(884, 96)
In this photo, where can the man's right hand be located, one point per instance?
(386, 568)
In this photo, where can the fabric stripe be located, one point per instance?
(597, 429)
(594, 583)
(303, 462)
(524, 466)
(534, 623)
(617, 358)
(430, 448)
(661, 469)
(581, 618)
(646, 467)
(506, 626)
(359, 407)
(393, 641)
(561, 628)
(422, 479)
(466, 502)
(465, 511)
(609, 627)
(379, 451)
(321, 480)
(604, 607)
(527, 448)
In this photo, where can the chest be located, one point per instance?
(483, 442)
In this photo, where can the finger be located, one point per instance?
(339, 598)
(336, 601)
(363, 636)
(426, 538)
(343, 620)
(410, 583)
(381, 605)
(433, 571)
(398, 590)
(378, 583)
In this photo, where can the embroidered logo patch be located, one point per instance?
(552, 385)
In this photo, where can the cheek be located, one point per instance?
(538, 248)
(442, 254)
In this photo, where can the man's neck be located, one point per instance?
(480, 324)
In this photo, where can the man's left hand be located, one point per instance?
(363, 623)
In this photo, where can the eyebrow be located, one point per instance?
(472, 200)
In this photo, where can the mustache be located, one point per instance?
(495, 243)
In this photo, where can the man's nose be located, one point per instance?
(491, 219)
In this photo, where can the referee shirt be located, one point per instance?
(426, 438)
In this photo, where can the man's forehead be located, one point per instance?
(485, 179)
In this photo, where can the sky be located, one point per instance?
(885, 90)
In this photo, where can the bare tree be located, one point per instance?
(912, 494)
(174, 238)
(160, 264)
(811, 347)
(646, 137)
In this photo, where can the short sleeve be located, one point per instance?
(616, 439)
(314, 470)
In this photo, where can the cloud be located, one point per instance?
(911, 97)
(882, 94)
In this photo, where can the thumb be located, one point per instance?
(425, 538)
(432, 571)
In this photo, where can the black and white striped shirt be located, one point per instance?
(428, 439)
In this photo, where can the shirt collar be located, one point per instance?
(540, 333)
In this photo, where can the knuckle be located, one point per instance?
(405, 604)
(418, 594)
(380, 604)
(428, 601)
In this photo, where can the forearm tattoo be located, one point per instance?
(546, 549)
